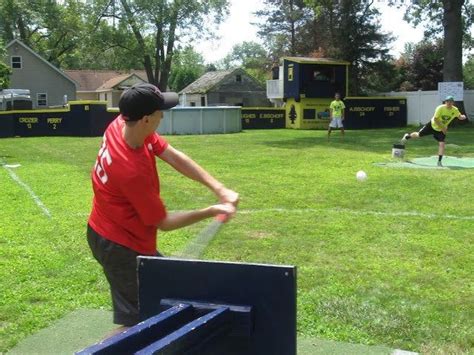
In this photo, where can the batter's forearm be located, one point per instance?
(182, 219)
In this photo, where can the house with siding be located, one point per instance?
(104, 85)
(224, 88)
(48, 85)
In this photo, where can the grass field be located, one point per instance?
(387, 261)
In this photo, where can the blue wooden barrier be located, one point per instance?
(182, 328)
(210, 308)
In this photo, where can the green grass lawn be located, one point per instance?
(366, 272)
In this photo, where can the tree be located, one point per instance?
(384, 76)
(345, 29)
(451, 19)
(252, 57)
(349, 30)
(284, 21)
(188, 65)
(157, 25)
(19, 19)
(468, 73)
(423, 66)
(4, 69)
(53, 29)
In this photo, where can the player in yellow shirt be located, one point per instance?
(336, 114)
(438, 125)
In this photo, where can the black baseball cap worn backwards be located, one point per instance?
(144, 99)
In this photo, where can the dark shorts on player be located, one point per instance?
(120, 268)
(427, 129)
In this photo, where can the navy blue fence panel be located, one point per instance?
(79, 119)
(375, 112)
(269, 289)
(263, 118)
(7, 126)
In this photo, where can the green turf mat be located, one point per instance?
(431, 163)
(85, 327)
(74, 332)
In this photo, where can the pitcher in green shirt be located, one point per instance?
(336, 112)
(438, 125)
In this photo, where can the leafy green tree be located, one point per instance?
(53, 29)
(384, 76)
(210, 67)
(450, 20)
(187, 66)
(4, 69)
(422, 66)
(157, 25)
(19, 19)
(252, 57)
(468, 72)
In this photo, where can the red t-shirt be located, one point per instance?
(127, 206)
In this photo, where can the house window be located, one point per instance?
(42, 99)
(192, 103)
(16, 62)
(105, 96)
(238, 78)
(203, 101)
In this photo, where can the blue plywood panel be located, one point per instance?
(292, 79)
(269, 289)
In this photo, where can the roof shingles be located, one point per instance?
(206, 82)
(92, 80)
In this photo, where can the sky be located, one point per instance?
(237, 28)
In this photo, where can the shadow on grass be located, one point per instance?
(360, 140)
(375, 140)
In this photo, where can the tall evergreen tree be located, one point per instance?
(284, 20)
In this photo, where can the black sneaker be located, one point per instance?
(440, 164)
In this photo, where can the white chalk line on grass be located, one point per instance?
(342, 210)
(35, 198)
(357, 212)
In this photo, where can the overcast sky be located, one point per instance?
(237, 29)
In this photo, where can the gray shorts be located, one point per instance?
(120, 268)
(336, 122)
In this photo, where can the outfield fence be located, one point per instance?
(421, 104)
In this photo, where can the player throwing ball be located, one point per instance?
(438, 125)
(336, 113)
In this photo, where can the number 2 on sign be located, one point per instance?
(103, 158)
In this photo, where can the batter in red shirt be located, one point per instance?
(127, 209)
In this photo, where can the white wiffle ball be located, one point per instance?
(361, 175)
